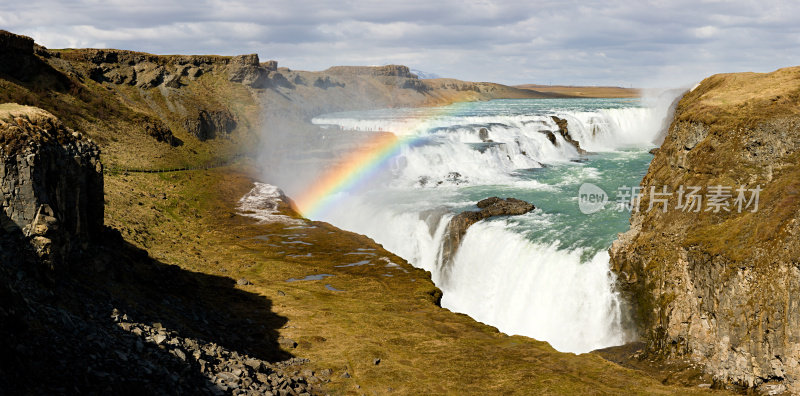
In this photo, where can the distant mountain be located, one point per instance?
(584, 91)
(423, 75)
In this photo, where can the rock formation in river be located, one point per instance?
(563, 130)
(489, 207)
(723, 287)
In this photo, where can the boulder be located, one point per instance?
(483, 134)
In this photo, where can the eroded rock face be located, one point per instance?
(51, 181)
(172, 71)
(489, 207)
(723, 289)
(140, 69)
(15, 43)
(18, 59)
(161, 132)
(247, 70)
(210, 124)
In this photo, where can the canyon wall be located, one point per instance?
(720, 284)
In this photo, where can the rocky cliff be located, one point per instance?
(51, 181)
(716, 278)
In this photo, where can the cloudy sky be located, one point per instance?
(606, 42)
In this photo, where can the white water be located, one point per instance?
(545, 274)
(534, 289)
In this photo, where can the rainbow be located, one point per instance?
(360, 164)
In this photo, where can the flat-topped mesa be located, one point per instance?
(388, 70)
(148, 70)
(489, 207)
(392, 75)
(51, 182)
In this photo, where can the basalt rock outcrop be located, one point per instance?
(17, 53)
(51, 182)
(247, 70)
(146, 71)
(210, 124)
(563, 130)
(161, 132)
(722, 287)
(489, 207)
(140, 69)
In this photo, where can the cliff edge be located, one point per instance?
(715, 278)
(51, 182)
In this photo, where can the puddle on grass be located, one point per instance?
(295, 242)
(310, 278)
(300, 227)
(299, 255)
(359, 253)
(360, 263)
(390, 264)
(331, 288)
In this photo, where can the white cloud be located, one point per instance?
(650, 43)
(705, 31)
